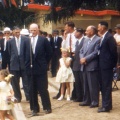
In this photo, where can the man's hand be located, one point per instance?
(82, 61)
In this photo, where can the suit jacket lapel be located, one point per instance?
(15, 47)
(87, 48)
(21, 44)
(104, 38)
(37, 46)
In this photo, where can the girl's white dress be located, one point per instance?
(4, 93)
(64, 73)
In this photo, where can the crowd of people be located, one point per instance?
(84, 57)
(41, 2)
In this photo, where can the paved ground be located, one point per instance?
(64, 110)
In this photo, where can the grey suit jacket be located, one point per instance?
(90, 53)
(76, 60)
(17, 62)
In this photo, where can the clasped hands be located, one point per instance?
(83, 61)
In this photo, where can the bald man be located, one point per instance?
(90, 67)
(37, 60)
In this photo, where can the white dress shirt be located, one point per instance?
(66, 43)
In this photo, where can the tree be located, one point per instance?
(68, 7)
(12, 16)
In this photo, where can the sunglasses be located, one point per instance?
(6, 33)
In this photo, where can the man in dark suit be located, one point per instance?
(56, 52)
(38, 54)
(78, 85)
(3, 42)
(90, 67)
(16, 49)
(107, 61)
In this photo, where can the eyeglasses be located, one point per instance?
(17, 32)
(6, 33)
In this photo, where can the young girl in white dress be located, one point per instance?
(65, 74)
(6, 94)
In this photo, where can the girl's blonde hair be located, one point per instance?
(6, 75)
(65, 50)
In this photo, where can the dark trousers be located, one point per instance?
(54, 64)
(78, 86)
(5, 60)
(91, 87)
(39, 84)
(106, 88)
(15, 83)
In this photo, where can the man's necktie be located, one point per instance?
(77, 43)
(70, 43)
(33, 45)
(88, 43)
(101, 40)
(55, 40)
(18, 46)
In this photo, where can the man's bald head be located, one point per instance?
(91, 30)
(34, 29)
(34, 25)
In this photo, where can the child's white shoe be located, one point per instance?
(60, 98)
(68, 98)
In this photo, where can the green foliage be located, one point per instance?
(68, 7)
(12, 16)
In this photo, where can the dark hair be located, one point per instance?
(70, 24)
(44, 33)
(1, 33)
(104, 23)
(56, 31)
(62, 30)
(16, 28)
(80, 30)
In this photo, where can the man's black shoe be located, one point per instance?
(84, 104)
(55, 97)
(34, 113)
(103, 110)
(72, 98)
(93, 106)
(77, 100)
(47, 111)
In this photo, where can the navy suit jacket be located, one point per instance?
(76, 59)
(56, 46)
(108, 52)
(41, 58)
(17, 62)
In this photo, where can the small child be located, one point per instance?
(6, 95)
(65, 74)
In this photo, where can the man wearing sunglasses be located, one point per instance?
(3, 42)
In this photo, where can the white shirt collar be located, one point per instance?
(104, 34)
(80, 39)
(92, 37)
